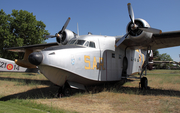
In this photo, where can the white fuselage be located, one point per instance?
(93, 59)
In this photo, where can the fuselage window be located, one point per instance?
(92, 44)
(113, 55)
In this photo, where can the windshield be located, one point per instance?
(77, 42)
(82, 43)
(71, 42)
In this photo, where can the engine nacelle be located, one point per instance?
(66, 36)
(138, 35)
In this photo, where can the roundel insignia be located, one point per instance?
(72, 61)
(9, 66)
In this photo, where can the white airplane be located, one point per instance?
(78, 61)
(10, 66)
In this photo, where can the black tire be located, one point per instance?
(144, 83)
(67, 91)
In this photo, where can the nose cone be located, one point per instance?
(35, 58)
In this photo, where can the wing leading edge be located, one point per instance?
(166, 39)
(28, 50)
(158, 41)
(35, 47)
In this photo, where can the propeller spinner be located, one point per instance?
(134, 26)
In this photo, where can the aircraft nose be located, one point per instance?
(35, 58)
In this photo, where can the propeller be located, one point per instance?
(59, 35)
(135, 27)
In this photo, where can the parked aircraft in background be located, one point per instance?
(10, 66)
(77, 61)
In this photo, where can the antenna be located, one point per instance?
(77, 29)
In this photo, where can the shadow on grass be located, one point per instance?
(27, 81)
(119, 88)
(51, 90)
(150, 91)
(37, 93)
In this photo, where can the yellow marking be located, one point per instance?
(94, 66)
(87, 61)
(94, 63)
(134, 73)
(101, 63)
(143, 59)
(139, 57)
(137, 50)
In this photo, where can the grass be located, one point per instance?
(26, 106)
(35, 92)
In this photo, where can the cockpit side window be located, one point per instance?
(86, 44)
(92, 44)
(80, 42)
(72, 42)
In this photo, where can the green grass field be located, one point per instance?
(9, 107)
(20, 92)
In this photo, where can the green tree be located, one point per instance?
(161, 57)
(165, 57)
(20, 28)
(155, 54)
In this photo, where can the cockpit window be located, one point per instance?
(92, 44)
(86, 44)
(80, 42)
(71, 42)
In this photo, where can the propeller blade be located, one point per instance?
(65, 25)
(131, 13)
(121, 40)
(151, 30)
(50, 36)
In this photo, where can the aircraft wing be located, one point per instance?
(36, 47)
(158, 41)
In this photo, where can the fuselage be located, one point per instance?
(88, 60)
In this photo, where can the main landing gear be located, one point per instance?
(65, 90)
(143, 84)
(143, 80)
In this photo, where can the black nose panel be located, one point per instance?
(35, 58)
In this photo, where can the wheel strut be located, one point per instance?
(143, 80)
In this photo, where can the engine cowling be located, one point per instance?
(67, 35)
(138, 35)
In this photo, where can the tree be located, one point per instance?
(165, 57)
(155, 54)
(161, 57)
(19, 29)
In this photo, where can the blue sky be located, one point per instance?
(106, 17)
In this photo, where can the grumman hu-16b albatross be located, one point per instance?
(78, 61)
